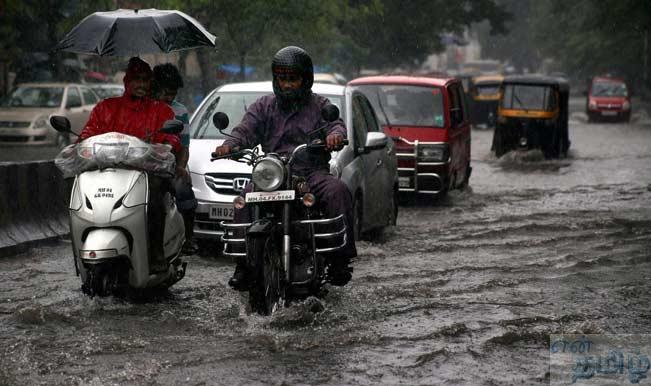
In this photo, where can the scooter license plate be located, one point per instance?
(279, 195)
(221, 212)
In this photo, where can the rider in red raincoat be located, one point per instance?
(136, 113)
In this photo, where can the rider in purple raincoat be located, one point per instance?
(279, 123)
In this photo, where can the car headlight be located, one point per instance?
(433, 153)
(626, 105)
(268, 174)
(335, 169)
(592, 104)
(41, 122)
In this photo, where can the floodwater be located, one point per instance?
(466, 292)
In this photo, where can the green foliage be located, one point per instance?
(344, 35)
(583, 37)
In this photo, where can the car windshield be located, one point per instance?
(35, 97)
(610, 89)
(487, 89)
(406, 105)
(528, 97)
(233, 104)
(108, 92)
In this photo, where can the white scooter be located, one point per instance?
(108, 210)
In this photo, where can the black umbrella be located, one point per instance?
(128, 32)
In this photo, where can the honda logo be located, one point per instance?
(240, 183)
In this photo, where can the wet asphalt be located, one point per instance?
(464, 292)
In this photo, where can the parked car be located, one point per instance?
(24, 113)
(608, 98)
(429, 122)
(369, 173)
(533, 114)
(107, 90)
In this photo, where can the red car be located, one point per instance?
(428, 119)
(608, 98)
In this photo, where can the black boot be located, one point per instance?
(239, 281)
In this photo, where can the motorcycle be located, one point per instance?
(285, 243)
(108, 210)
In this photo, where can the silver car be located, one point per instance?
(367, 165)
(25, 112)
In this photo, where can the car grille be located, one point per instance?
(7, 138)
(227, 183)
(14, 124)
(611, 106)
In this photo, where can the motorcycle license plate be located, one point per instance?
(279, 195)
(609, 113)
(222, 212)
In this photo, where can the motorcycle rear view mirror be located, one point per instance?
(172, 126)
(330, 113)
(220, 120)
(60, 124)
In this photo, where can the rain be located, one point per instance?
(475, 286)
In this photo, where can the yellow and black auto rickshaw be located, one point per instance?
(533, 114)
(484, 98)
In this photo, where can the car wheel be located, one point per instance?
(62, 140)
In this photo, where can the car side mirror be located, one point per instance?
(60, 124)
(375, 141)
(172, 126)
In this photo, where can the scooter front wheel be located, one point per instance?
(101, 280)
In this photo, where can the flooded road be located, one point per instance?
(464, 293)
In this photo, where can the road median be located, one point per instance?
(34, 204)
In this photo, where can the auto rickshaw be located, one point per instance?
(484, 98)
(533, 114)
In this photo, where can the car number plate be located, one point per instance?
(279, 195)
(222, 212)
(609, 113)
(404, 182)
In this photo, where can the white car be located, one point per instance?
(367, 165)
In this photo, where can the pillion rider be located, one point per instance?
(279, 123)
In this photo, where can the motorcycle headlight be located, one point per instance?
(433, 153)
(268, 174)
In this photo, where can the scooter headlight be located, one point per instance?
(268, 174)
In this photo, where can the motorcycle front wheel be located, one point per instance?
(267, 293)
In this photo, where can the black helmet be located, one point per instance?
(293, 59)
